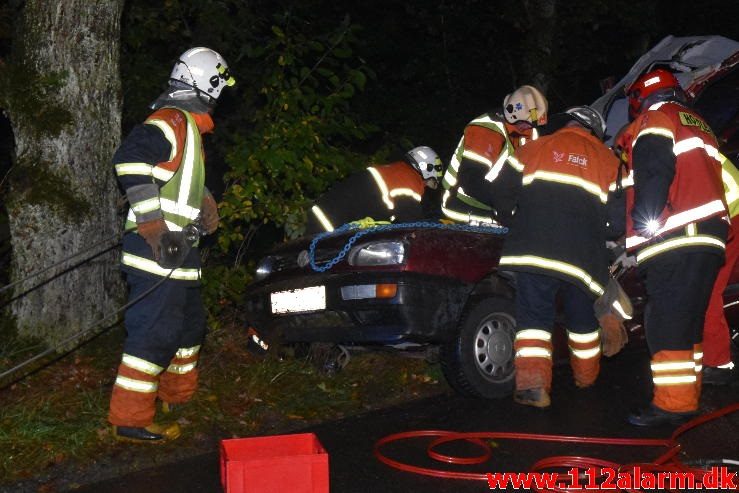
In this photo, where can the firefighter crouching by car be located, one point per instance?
(557, 244)
(479, 173)
(676, 223)
(402, 191)
(160, 165)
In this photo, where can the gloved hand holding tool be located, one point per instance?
(152, 231)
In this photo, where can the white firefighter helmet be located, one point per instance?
(589, 118)
(203, 69)
(426, 161)
(525, 104)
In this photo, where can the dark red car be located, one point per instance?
(429, 285)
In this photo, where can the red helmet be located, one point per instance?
(656, 85)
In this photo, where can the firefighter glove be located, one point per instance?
(152, 232)
(613, 334)
(209, 214)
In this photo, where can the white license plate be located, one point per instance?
(299, 300)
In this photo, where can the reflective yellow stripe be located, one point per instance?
(651, 251)
(495, 170)
(585, 353)
(517, 165)
(168, 134)
(154, 268)
(673, 365)
(677, 380)
(322, 218)
(123, 169)
(693, 143)
(583, 338)
(533, 352)
(162, 174)
(473, 156)
(405, 192)
(555, 265)
(680, 219)
(463, 217)
(136, 385)
(187, 352)
(664, 132)
(625, 182)
(141, 365)
(534, 334)
(383, 187)
(145, 206)
(566, 179)
(182, 210)
(182, 369)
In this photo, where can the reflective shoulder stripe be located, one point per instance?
(136, 385)
(154, 268)
(322, 218)
(566, 179)
(685, 241)
(382, 186)
(187, 352)
(557, 266)
(664, 132)
(535, 334)
(124, 169)
(487, 122)
(141, 365)
(168, 134)
(692, 143)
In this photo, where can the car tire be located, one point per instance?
(479, 362)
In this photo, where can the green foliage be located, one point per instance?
(301, 133)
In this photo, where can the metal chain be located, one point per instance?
(385, 227)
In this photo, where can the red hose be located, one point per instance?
(666, 462)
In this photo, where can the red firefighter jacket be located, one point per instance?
(677, 199)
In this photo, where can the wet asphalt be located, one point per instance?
(596, 412)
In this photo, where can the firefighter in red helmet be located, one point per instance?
(676, 224)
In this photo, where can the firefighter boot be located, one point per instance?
(154, 433)
(533, 363)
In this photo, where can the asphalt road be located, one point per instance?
(595, 412)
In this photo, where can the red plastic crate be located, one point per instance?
(274, 464)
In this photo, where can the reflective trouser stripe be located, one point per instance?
(152, 267)
(141, 365)
(136, 385)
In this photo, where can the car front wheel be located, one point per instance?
(479, 362)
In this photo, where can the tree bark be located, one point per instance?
(74, 206)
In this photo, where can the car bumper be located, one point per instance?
(424, 309)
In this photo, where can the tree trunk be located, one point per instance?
(63, 195)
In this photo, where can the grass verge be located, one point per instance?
(53, 428)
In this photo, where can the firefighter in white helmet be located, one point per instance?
(160, 166)
(479, 172)
(401, 191)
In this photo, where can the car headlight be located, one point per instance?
(379, 253)
(264, 268)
